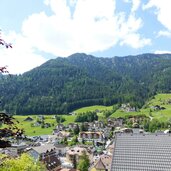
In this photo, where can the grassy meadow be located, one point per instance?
(160, 99)
(37, 130)
(98, 108)
(93, 108)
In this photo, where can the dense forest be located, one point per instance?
(63, 84)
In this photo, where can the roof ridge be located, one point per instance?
(100, 164)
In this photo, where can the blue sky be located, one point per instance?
(43, 29)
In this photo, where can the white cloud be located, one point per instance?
(90, 26)
(162, 52)
(46, 2)
(164, 33)
(135, 41)
(89, 30)
(135, 5)
(94, 26)
(162, 12)
(130, 35)
(21, 57)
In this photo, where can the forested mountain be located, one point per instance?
(63, 84)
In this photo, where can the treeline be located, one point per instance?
(86, 117)
(64, 84)
(146, 123)
(155, 125)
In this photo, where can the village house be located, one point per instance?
(94, 126)
(62, 134)
(72, 126)
(103, 163)
(90, 124)
(99, 166)
(127, 108)
(53, 139)
(110, 149)
(41, 117)
(60, 127)
(28, 119)
(51, 161)
(66, 163)
(76, 152)
(47, 125)
(46, 154)
(61, 149)
(107, 131)
(91, 136)
(72, 113)
(39, 151)
(36, 124)
(66, 169)
(115, 122)
(86, 124)
(16, 149)
(168, 101)
(124, 130)
(157, 107)
(98, 124)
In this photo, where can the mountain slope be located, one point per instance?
(63, 84)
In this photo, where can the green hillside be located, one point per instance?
(37, 130)
(97, 108)
(161, 100)
(63, 85)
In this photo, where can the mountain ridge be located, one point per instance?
(63, 84)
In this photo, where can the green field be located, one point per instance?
(93, 108)
(160, 99)
(120, 113)
(37, 130)
(98, 108)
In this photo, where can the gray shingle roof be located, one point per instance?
(138, 152)
(44, 148)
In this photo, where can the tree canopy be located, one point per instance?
(64, 84)
(84, 162)
(22, 163)
(86, 117)
(10, 129)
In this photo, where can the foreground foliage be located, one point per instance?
(11, 130)
(23, 163)
(84, 162)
